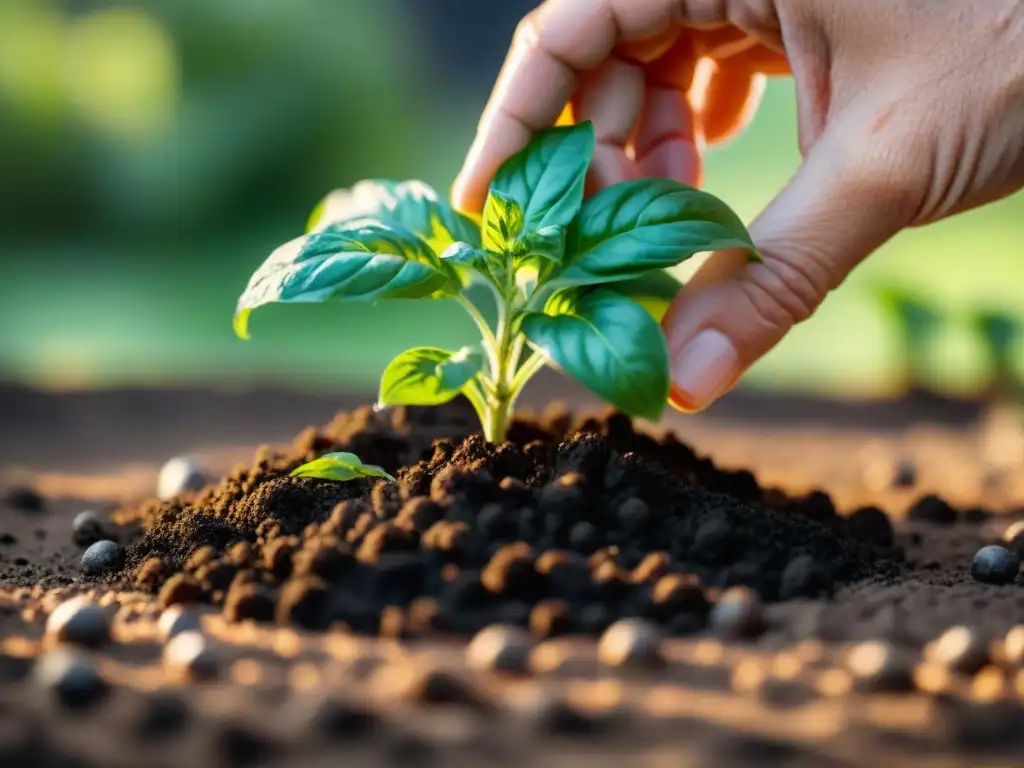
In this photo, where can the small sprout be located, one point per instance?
(918, 325)
(577, 284)
(1001, 333)
(340, 467)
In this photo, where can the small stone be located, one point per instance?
(961, 649)
(1014, 538)
(632, 644)
(189, 656)
(878, 666)
(500, 648)
(932, 509)
(101, 557)
(87, 528)
(1013, 645)
(872, 525)
(26, 499)
(738, 614)
(178, 475)
(79, 622)
(73, 680)
(178, 619)
(802, 577)
(995, 565)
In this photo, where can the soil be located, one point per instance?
(337, 614)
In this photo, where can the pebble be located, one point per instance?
(26, 499)
(74, 681)
(100, 557)
(872, 525)
(500, 648)
(80, 622)
(631, 643)
(189, 655)
(878, 666)
(178, 475)
(1013, 645)
(178, 619)
(738, 614)
(87, 528)
(995, 565)
(961, 649)
(932, 509)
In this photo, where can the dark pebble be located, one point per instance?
(932, 509)
(872, 525)
(87, 528)
(338, 719)
(101, 557)
(26, 499)
(161, 715)
(904, 474)
(74, 681)
(995, 565)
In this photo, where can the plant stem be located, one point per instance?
(507, 350)
(527, 370)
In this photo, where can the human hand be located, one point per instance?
(908, 111)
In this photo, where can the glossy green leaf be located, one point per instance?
(503, 221)
(412, 205)
(367, 262)
(637, 226)
(653, 291)
(428, 376)
(547, 243)
(341, 467)
(608, 343)
(546, 179)
(1001, 332)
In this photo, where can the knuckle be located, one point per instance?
(527, 32)
(785, 291)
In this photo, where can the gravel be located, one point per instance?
(101, 557)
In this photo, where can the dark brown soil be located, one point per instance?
(594, 515)
(566, 529)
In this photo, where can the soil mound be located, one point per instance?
(567, 527)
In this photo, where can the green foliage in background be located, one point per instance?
(147, 148)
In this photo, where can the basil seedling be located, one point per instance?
(577, 284)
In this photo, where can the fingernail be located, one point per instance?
(703, 369)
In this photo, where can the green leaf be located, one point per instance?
(653, 291)
(608, 343)
(547, 243)
(412, 205)
(636, 226)
(1001, 332)
(341, 467)
(369, 261)
(546, 179)
(428, 376)
(503, 221)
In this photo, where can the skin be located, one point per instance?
(909, 111)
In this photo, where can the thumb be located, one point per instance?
(839, 207)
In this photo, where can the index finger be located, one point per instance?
(551, 47)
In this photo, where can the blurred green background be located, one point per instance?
(153, 152)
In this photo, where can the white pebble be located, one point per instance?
(80, 622)
(178, 475)
(500, 648)
(178, 619)
(189, 656)
(633, 643)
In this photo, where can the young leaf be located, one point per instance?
(547, 243)
(428, 376)
(653, 291)
(503, 221)
(608, 343)
(341, 467)
(412, 205)
(636, 226)
(546, 179)
(369, 261)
